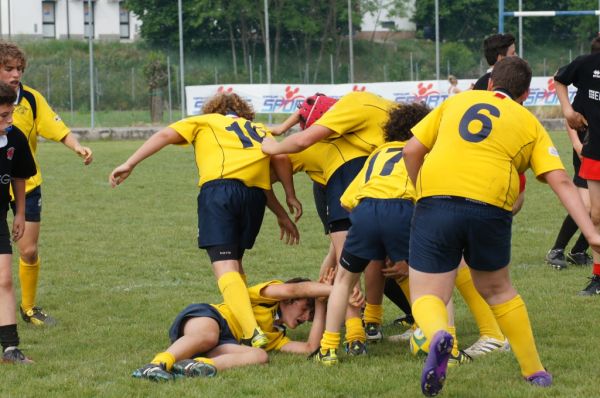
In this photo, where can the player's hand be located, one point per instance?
(289, 232)
(398, 270)
(119, 174)
(576, 120)
(18, 228)
(85, 153)
(594, 242)
(357, 299)
(269, 146)
(295, 207)
(328, 276)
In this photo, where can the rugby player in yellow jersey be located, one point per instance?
(205, 337)
(477, 143)
(381, 200)
(234, 177)
(315, 165)
(356, 118)
(34, 117)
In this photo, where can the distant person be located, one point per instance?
(35, 118)
(16, 165)
(495, 47)
(585, 114)
(453, 89)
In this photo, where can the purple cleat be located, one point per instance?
(540, 379)
(434, 371)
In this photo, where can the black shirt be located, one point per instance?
(584, 73)
(482, 82)
(16, 161)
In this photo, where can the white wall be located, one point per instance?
(372, 22)
(26, 19)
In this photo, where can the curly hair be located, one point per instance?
(225, 103)
(10, 51)
(404, 117)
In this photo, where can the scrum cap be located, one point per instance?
(313, 108)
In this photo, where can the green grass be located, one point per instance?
(118, 264)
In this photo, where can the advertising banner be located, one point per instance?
(284, 98)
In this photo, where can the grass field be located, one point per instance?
(118, 265)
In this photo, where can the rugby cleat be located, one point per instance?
(540, 379)
(593, 288)
(355, 348)
(436, 364)
(192, 368)
(459, 359)
(327, 357)
(153, 372)
(258, 340)
(374, 332)
(581, 258)
(14, 355)
(486, 345)
(556, 258)
(36, 316)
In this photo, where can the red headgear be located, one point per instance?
(313, 108)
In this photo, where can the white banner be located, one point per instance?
(284, 98)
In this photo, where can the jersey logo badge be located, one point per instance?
(10, 152)
(596, 74)
(552, 151)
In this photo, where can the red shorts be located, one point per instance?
(590, 169)
(522, 182)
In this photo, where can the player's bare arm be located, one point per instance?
(289, 233)
(414, 153)
(567, 193)
(154, 144)
(296, 142)
(82, 151)
(574, 119)
(281, 166)
(18, 228)
(290, 122)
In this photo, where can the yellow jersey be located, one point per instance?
(34, 117)
(227, 147)
(359, 118)
(383, 176)
(323, 158)
(265, 312)
(479, 142)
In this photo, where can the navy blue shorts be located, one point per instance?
(445, 228)
(229, 214)
(380, 228)
(199, 311)
(5, 246)
(336, 186)
(320, 196)
(33, 205)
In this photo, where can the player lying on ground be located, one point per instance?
(205, 337)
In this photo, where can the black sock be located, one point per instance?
(9, 336)
(581, 245)
(395, 294)
(567, 230)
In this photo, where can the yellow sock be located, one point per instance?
(452, 331)
(208, 361)
(486, 321)
(235, 296)
(373, 313)
(330, 340)
(28, 275)
(430, 314)
(405, 289)
(514, 321)
(164, 357)
(355, 330)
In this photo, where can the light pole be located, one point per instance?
(181, 63)
(437, 40)
(350, 46)
(91, 51)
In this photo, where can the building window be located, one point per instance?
(48, 19)
(123, 22)
(390, 25)
(86, 20)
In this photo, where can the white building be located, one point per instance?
(64, 19)
(381, 26)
